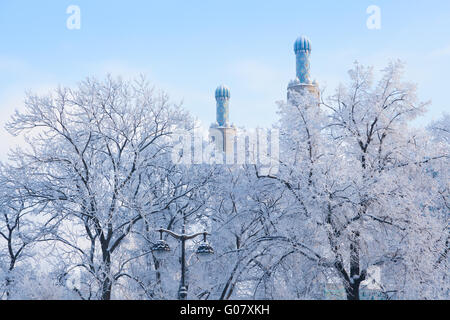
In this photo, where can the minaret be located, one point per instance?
(222, 105)
(302, 49)
(221, 132)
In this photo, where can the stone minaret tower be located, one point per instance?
(302, 49)
(221, 132)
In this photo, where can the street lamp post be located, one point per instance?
(161, 249)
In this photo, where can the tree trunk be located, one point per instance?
(352, 291)
(106, 289)
(106, 281)
(8, 279)
(352, 288)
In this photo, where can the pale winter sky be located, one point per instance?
(189, 47)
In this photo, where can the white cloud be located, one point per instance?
(8, 64)
(442, 52)
(117, 68)
(257, 76)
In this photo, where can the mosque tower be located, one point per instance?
(221, 132)
(302, 82)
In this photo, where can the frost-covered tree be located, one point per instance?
(189, 188)
(242, 209)
(23, 224)
(357, 185)
(100, 155)
(439, 149)
(357, 189)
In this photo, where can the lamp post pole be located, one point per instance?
(183, 290)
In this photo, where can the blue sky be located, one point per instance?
(189, 47)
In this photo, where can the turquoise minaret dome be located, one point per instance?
(223, 102)
(302, 49)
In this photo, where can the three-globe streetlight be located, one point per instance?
(161, 250)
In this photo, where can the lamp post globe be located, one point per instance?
(205, 251)
(161, 249)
